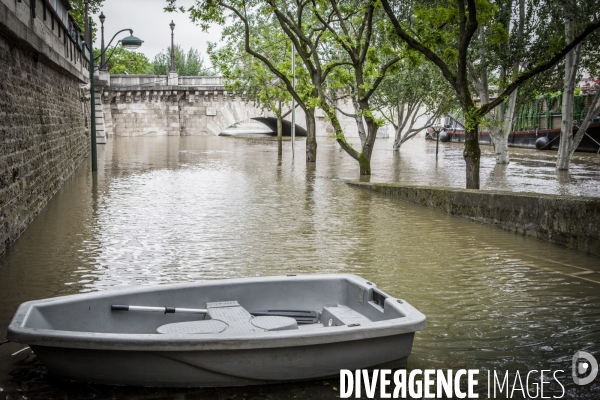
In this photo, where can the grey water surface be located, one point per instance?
(177, 209)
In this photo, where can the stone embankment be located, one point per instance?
(43, 134)
(569, 221)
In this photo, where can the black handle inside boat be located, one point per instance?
(166, 310)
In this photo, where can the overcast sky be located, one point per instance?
(151, 24)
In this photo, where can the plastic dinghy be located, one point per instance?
(220, 333)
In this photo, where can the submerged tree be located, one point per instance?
(358, 54)
(416, 91)
(247, 77)
(495, 57)
(249, 15)
(444, 32)
(583, 55)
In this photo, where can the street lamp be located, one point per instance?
(86, 26)
(102, 49)
(172, 25)
(437, 129)
(130, 43)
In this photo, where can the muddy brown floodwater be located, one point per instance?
(178, 209)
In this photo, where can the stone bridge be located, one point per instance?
(136, 105)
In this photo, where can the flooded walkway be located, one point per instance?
(178, 209)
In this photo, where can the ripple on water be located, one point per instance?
(170, 210)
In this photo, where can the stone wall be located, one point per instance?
(569, 221)
(43, 134)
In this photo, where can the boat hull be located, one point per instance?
(80, 338)
(528, 138)
(223, 367)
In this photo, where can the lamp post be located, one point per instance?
(437, 129)
(86, 26)
(172, 25)
(129, 43)
(293, 99)
(103, 59)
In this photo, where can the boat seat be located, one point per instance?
(342, 315)
(204, 326)
(230, 317)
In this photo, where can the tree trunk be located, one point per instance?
(397, 141)
(500, 132)
(398, 128)
(311, 136)
(472, 155)
(507, 110)
(279, 135)
(501, 146)
(364, 158)
(566, 128)
(591, 114)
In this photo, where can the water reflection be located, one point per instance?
(170, 209)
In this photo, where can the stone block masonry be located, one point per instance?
(43, 134)
(569, 221)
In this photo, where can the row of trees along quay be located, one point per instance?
(190, 63)
(394, 59)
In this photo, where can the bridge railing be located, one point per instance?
(161, 80)
(200, 80)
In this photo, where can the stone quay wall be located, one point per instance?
(569, 221)
(43, 133)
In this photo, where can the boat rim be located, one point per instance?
(412, 322)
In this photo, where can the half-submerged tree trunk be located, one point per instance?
(364, 157)
(501, 129)
(472, 152)
(412, 114)
(279, 135)
(571, 64)
(506, 112)
(591, 114)
(311, 136)
(472, 155)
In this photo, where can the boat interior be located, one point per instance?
(237, 306)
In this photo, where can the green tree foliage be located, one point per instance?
(416, 90)
(190, 64)
(118, 61)
(356, 46)
(444, 33)
(78, 13)
(247, 77)
(348, 46)
(250, 17)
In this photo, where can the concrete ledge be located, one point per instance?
(569, 221)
